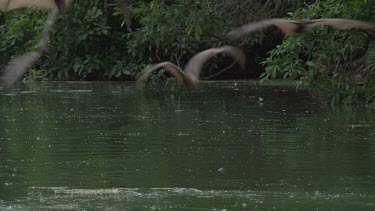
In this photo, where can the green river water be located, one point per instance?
(227, 146)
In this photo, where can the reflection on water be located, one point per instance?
(228, 145)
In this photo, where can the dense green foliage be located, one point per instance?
(19, 33)
(86, 44)
(338, 62)
(91, 42)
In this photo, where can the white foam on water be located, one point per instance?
(28, 92)
(66, 198)
(71, 91)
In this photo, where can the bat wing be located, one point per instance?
(9, 5)
(288, 27)
(195, 65)
(169, 67)
(340, 24)
(4, 5)
(19, 66)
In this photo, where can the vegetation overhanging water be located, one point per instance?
(91, 42)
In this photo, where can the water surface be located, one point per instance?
(227, 146)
